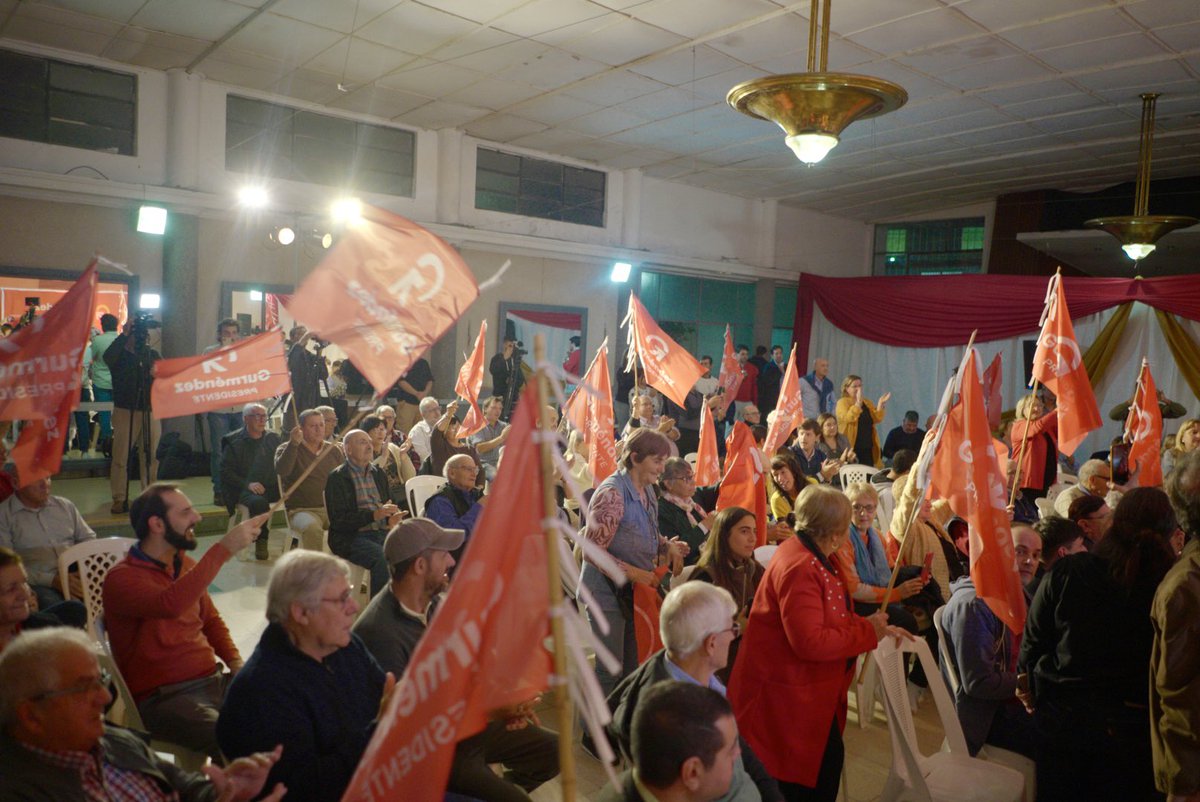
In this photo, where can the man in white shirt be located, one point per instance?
(421, 432)
(39, 527)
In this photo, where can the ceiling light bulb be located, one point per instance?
(347, 210)
(284, 235)
(1138, 250)
(326, 239)
(811, 148)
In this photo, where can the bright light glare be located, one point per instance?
(253, 197)
(285, 235)
(1138, 250)
(326, 240)
(255, 295)
(149, 300)
(621, 271)
(152, 220)
(811, 148)
(346, 210)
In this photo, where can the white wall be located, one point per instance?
(704, 224)
(809, 242)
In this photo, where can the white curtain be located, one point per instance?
(916, 377)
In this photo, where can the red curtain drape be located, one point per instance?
(557, 320)
(934, 312)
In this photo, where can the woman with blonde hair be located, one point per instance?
(1038, 465)
(857, 416)
(1186, 439)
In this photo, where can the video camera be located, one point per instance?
(140, 326)
(519, 349)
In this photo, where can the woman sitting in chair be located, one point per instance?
(678, 513)
(727, 561)
(18, 604)
(789, 480)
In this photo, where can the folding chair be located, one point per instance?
(94, 559)
(419, 489)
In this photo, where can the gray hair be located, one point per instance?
(1088, 469)
(428, 403)
(454, 460)
(673, 468)
(385, 409)
(308, 413)
(252, 406)
(325, 410)
(29, 666)
(297, 579)
(692, 612)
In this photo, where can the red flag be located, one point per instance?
(470, 381)
(731, 373)
(250, 370)
(708, 468)
(647, 604)
(1143, 430)
(484, 648)
(39, 449)
(385, 293)
(1058, 364)
(789, 412)
(41, 363)
(743, 484)
(992, 378)
(669, 369)
(592, 414)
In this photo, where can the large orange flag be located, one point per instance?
(41, 363)
(743, 484)
(590, 410)
(470, 382)
(1143, 430)
(39, 449)
(731, 373)
(1058, 364)
(668, 367)
(992, 379)
(789, 412)
(250, 370)
(708, 467)
(385, 293)
(484, 648)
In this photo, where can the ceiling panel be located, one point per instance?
(208, 20)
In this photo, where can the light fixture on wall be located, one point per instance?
(814, 107)
(620, 272)
(152, 220)
(149, 300)
(1139, 232)
(318, 238)
(253, 196)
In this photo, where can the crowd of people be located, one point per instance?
(747, 699)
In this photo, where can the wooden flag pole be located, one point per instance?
(1012, 495)
(559, 681)
(362, 413)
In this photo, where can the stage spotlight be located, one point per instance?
(149, 300)
(253, 197)
(152, 220)
(621, 271)
(282, 235)
(320, 239)
(346, 210)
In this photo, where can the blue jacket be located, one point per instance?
(322, 712)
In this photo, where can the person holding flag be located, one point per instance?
(1035, 437)
(1143, 431)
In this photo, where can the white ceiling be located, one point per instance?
(1004, 95)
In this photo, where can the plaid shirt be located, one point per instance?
(104, 782)
(366, 492)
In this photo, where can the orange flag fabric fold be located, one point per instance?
(1058, 364)
(484, 647)
(669, 368)
(250, 370)
(708, 466)
(39, 449)
(743, 484)
(385, 293)
(731, 373)
(1143, 430)
(470, 382)
(592, 414)
(789, 412)
(993, 377)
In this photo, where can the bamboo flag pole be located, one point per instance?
(362, 413)
(1012, 495)
(562, 697)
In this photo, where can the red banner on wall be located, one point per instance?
(251, 370)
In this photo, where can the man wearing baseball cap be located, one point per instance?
(418, 556)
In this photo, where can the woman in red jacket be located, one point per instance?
(1039, 462)
(797, 657)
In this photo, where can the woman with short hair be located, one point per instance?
(679, 516)
(1186, 439)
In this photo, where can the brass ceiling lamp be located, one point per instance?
(1139, 231)
(814, 107)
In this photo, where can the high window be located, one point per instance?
(506, 182)
(929, 247)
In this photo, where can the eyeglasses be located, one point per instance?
(256, 415)
(736, 629)
(863, 507)
(342, 599)
(683, 477)
(98, 683)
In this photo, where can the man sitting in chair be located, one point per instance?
(54, 744)
(248, 468)
(459, 504)
(306, 504)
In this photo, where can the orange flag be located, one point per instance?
(708, 467)
(385, 293)
(485, 646)
(992, 378)
(1143, 430)
(41, 363)
(647, 605)
(39, 449)
(789, 412)
(731, 373)
(592, 414)
(250, 370)
(669, 369)
(743, 484)
(470, 382)
(1058, 364)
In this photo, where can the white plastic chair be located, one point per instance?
(952, 774)
(419, 489)
(764, 554)
(684, 575)
(883, 511)
(95, 558)
(691, 459)
(867, 691)
(124, 711)
(1045, 506)
(856, 473)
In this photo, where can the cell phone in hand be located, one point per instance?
(927, 568)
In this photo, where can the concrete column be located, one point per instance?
(183, 128)
(449, 177)
(631, 208)
(764, 318)
(180, 289)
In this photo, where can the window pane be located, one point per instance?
(929, 247)
(546, 189)
(679, 297)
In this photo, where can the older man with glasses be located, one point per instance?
(55, 745)
(459, 504)
(248, 474)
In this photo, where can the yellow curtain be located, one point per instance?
(1183, 348)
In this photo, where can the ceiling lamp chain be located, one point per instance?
(814, 107)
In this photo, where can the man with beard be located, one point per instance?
(165, 632)
(418, 553)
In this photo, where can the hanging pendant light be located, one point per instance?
(814, 107)
(1140, 231)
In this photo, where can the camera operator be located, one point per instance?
(130, 360)
(308, 370)
(507, 377)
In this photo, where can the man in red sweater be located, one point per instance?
(165, 632)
